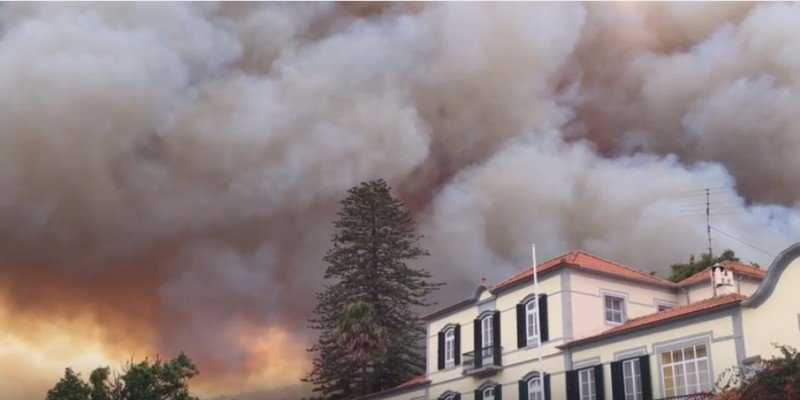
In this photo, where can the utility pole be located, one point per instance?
(708, 222)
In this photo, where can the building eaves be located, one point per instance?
(414, 383)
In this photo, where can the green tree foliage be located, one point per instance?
(682, 271)
(776, 379)
(157, 380)
(366, 313)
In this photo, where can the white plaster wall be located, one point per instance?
(776, 320)
(587, 302)
(700, 291)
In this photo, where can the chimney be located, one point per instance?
(722, 280)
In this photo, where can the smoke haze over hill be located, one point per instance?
(169, 172)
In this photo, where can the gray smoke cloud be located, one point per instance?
(188, 157)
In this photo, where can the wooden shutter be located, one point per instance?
(498, 392)
(441, 351)
(478, 355)
(457, 344)
(457, 396)
(546, 386)
(478, 394)
(543, 326)
(496, 351)
(598, 382)
(644, 370)
(617, 381)
(573, 392)
(523, 390)
(522, 326)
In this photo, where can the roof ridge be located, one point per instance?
(624, 266)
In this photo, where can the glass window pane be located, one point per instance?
(666, 358)
(701, 350)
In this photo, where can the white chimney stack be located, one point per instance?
(722, 280)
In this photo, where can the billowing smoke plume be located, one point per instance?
(169, 172)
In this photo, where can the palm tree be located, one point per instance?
(362, 339)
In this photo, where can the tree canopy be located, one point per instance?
(145, 380)
(681, 271)
(369, 337)
(775, 379)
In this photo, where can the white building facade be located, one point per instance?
(607, 331)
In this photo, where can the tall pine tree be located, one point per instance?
(373, 240)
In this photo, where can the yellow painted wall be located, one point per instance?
(776, 320)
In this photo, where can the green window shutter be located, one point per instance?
(543, 326)
(440, 353)
(617, 381)
(523, 390)
(457, 344)
(477, 343)
(497, 352)
(522, 326)
(598, 382)
(573, 392)
(498, 392)
(644, 369)
(457, 396)
(478, 394)
(547, 395)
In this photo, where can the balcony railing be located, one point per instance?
(488, 361)
(696, 396)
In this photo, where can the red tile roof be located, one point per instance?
(416, 381)
(664, 316)
(737, 267)
(590, 262)
(576, 259)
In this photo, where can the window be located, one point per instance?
(614, 309)
(531, 318)
(664, 307)
(586, 387)
(632, 377)
(535, 389)
(488, 393)
(450, 346)
(685, 371)
(486, 336)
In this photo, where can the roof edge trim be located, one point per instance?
(774, 272)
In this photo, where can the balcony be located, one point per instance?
(489, 360)
(696, 396)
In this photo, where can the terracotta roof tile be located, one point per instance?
(415, 381)
(737, 267)
(591, 262)
(663, 316)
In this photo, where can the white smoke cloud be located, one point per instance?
(203, 147)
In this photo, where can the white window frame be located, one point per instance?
(586, 378)
(667, 305)
(488, 393)
(622, 312)
(687, 375)
(632, 379)
(531, 322)
(487, 336)
(535, 388)
(450, 347)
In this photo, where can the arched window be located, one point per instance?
(535, 386)
(487, 336)
(450, 346)
(488, 393)
(535, 389)
(450, 395)
(531, 323)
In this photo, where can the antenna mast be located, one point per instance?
(708, 222)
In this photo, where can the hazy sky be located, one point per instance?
(169, 172)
